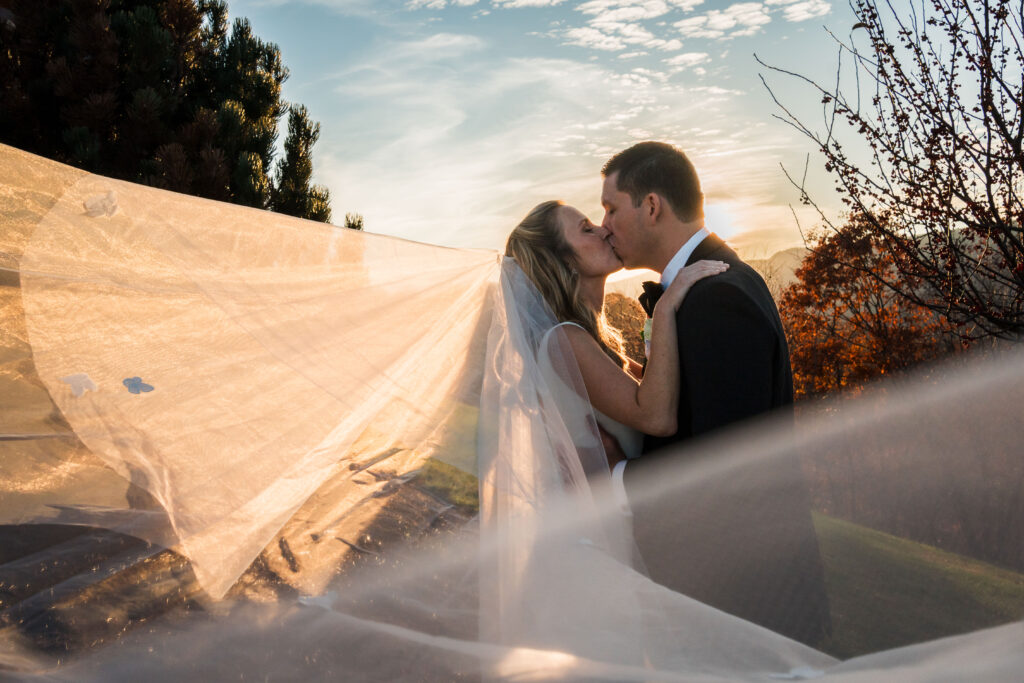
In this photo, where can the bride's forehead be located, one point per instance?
(570, 215)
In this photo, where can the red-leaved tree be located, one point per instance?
(845, 326)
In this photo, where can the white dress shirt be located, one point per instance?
(678, 262)
(675, 264)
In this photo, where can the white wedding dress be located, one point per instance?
(309, 418)
(577, 408)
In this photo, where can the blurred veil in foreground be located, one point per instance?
(235, 444)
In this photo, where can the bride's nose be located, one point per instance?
(602, 232)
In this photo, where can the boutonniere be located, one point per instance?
(645, 334)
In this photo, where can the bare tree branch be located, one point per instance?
(933, 161)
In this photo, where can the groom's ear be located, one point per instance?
(652, 206)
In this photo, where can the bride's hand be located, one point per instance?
(675, 293)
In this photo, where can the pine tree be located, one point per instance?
(354, 221)
(293, 194)
(151, 91)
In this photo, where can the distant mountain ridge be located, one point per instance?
(778, 270)
(624, 313)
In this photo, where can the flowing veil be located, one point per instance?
(236, 444)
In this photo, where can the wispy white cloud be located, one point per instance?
(634, 35)
(809, 9)
(619, 10)
(527, 3)
(439, 46)
(741, 19)
(496, 138)
(651, 74)
(688, 60)
(687, 5)
(438, 4)
(463, 144)
(616, 25)
(587, 36)
(433, 132)
(361, 8)
(443, 4)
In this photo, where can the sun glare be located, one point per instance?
(719, 220)
(528, 664)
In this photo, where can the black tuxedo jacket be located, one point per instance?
(733, 357)
(743, 540)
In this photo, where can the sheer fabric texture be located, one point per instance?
(630, 440)
(235, 444)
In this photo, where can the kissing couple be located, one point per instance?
(716, 356)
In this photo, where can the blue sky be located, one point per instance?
(444, 121)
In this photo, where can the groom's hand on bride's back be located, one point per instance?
(612, 449)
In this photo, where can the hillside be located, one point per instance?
(885, 591)
(778, 270)
(625, 314)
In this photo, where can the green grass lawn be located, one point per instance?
(450, 484)
(886, 591)
(450, 474)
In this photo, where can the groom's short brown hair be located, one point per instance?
(662, 169)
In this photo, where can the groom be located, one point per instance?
(741, 541)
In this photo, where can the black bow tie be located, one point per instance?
(652, 292)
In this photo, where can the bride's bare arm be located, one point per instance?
(650, 405)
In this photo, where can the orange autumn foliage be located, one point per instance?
(846, 326)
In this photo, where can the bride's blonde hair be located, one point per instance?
(541, 250)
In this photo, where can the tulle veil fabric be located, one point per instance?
(218, 380)
(231, 348)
